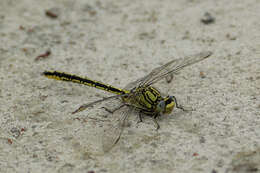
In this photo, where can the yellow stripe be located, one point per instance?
(83, 80)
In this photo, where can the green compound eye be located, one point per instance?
(161, 106)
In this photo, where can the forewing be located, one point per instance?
(153, 73)
(136, 83)
(168, 69)
(173, 67)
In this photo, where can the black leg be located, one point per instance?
(179, 106)
(140, 117)
(155, 121)
(157, 124)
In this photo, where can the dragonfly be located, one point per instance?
(138, 95)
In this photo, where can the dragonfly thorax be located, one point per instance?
(149, 99)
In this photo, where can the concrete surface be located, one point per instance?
(117, 42)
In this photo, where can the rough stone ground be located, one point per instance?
(117, 42)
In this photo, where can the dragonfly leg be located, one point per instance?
(155, 121)
(113, 110)
(140, 117)
(180, 106)
(157, 124)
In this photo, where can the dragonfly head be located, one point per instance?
(166, 105)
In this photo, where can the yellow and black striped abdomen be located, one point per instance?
(83, 80)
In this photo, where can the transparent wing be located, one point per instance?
(133, 84)
(173, 67)
(112, 135)
(169, 68)
(142, 80)
(88, 105)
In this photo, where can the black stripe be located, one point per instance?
(168, 101)
(155, 94)
(69, 77)
(147, 98)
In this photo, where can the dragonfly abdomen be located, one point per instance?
(83, 80)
